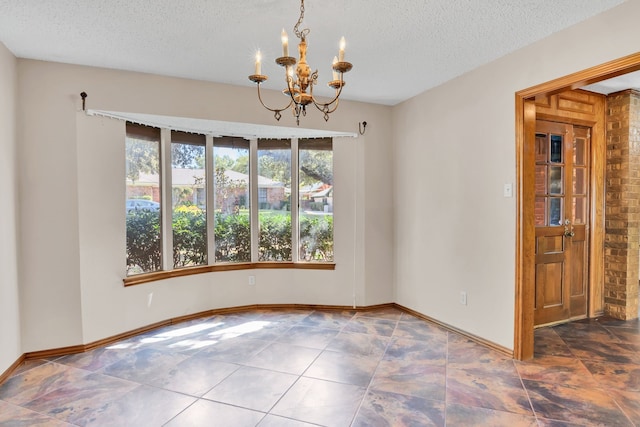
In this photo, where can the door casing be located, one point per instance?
(525, 194)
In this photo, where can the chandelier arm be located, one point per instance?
(273, 110)
(325, 107)
(335, 106)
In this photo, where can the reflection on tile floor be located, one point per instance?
(301, 368)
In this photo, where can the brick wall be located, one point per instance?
(622, 212)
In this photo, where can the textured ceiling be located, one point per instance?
(399, 48)
(626, 81)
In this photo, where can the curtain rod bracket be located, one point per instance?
(83, 95)
(362, 127)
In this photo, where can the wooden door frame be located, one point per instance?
(525, 227)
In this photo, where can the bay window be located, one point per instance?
(229, 201)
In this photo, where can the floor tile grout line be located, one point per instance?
(624, 412)
(301, 375)
(39, 413)
(240, 366)
(375, 371)
(526, 390)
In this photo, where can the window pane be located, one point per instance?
(541, 147)
(143, 199)
(541, 179)
(579, 152)
(579, 181)
(579, 210)
(188, 194)
(539, 210)
(556, 149)
(316, 200)
(555, 180)
(555, 211)
(274, 212)
(231, 188)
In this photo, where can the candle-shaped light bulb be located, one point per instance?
(335, 73)
(285, 43)
(341, 52)
(258, 63)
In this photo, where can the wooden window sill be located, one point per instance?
(160, 275)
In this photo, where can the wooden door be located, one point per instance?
(561, 218)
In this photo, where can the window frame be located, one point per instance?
(166, 234)
(151, 134)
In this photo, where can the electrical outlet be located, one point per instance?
(252, 280)
(463, 298)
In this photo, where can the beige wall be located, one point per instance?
(9, 297)
(443, 155)
(74, 224)
(455, 230)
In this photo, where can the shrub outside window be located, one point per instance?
(188, 199)
(143, 203)
(232, 202)
(315, 194)
(274, 213)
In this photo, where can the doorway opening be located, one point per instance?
(526, 199)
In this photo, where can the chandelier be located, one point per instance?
(301, 79)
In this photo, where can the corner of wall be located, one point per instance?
(10, 327)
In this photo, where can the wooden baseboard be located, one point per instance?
(6, 374)
(497, 347)
(63, 351)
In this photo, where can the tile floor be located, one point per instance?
(333, 368)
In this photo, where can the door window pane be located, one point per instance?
(556, 149)
(541, 179)
(231, 200)
(555, 180)
(188, 199)
(142, 149)
(541, 148)
(579, 181)
(540, 209)
(579, 156)
(274, 214)
(579, 210)
(555, 211)
(316, 199)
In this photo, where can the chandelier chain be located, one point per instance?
(301, 34)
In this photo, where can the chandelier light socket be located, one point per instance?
(336, 84)
(285, 61)
(342, 66)
(257, 78)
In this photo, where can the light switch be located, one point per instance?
(508, 190)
